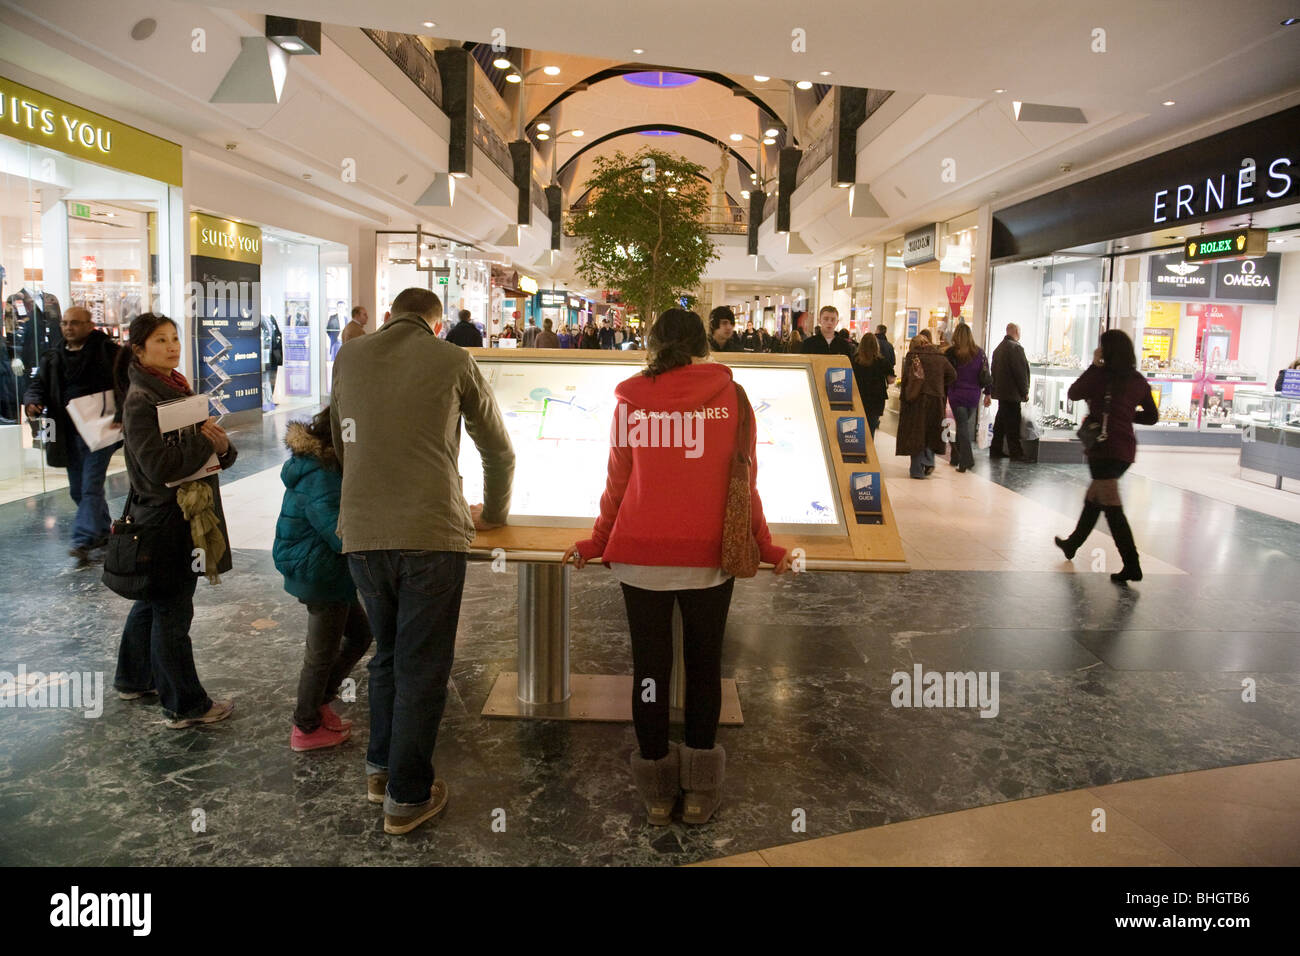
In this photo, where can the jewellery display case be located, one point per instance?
(1270, 433)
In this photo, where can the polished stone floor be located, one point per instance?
(1098, 685)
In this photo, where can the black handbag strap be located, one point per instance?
(1105, 413)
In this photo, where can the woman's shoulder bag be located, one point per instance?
(1093, 430)
(740, 555)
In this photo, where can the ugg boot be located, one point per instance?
(656, 781)
(1123, 535)
(1087, 521)
(702, 773)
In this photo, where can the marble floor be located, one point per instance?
(1197, 668)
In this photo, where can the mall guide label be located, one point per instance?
(851, 433)
(839, 388)
(865, 489)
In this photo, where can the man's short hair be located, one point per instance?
(882, 330)
(420, 301)
(357, 310)
(464, 315)
(546, 324)
(828, 308)
(1012, 327)
(722, 313)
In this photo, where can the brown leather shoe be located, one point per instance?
(437, 801)
(376, 785)
(220, 710)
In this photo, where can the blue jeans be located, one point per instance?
(412, 599)
(921, 461)
(86, 471)
(156, 652)
(962, 452)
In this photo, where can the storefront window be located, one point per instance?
(934, 294)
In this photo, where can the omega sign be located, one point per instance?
(1226, 191)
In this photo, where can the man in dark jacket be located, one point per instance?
(606, 335)
(465, 334)
(722, 330)
(750, 340)
(886, 349)
(81, 364)
(1010, 387)
(825, 341)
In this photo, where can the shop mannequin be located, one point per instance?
(273, 350)
(36, 331)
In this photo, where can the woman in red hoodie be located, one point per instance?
(660, 532)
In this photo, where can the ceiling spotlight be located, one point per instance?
(544, 126)
(1167, 103)
(803, 85)
(293, 46)
(843, 185)
(737, 137)
(771, 131)
(769, 141)
(543, 135)
(578, 133)
(744, 194)
(1290, 21)
(826, 73)
(514, 78)
(501, 63)
(429, 24)
(551, 70)
(638, 51)
(761, 79)
(999, 90)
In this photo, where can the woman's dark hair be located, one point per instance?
(1117, 352)
(142, 326)
(868, 350)
(319, 428)
(676, 337)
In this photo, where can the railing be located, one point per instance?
(489, 140)
(413, 59)
(718, 220)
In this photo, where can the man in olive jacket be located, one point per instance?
(398, 399)
(1010, 387)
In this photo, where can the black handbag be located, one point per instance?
(1093, 432)
(143, 559)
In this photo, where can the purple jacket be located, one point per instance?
(965, 392)
(1128, 394)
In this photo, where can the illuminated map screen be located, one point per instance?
(559, 418)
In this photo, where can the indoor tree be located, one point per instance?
(642, 229)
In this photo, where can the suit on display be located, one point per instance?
(273, 354)
(36, 332)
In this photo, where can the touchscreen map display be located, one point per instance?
(559, 418)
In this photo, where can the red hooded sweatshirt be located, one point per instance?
(671, 445)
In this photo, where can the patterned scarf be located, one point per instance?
(173, 378)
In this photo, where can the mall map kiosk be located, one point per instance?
(818, 476)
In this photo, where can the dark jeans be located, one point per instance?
(86, 470)
(922, 460)
(962, 450)
(156, 652)
(338, 635)
(650, 621)
(873, 420)
(413, 601)
(1006, 423)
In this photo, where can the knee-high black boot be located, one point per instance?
(1123, 535)
(1087, 520)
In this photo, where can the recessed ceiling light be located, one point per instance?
(514, 78)
(804, 85)
(551, 70)
(501, 63)
(744, 194)
(544, 127)
(543, 135)
(1168, 103)
(638, 51)
(737, 137)
(768, 141)
(826, 73)
(429, 24)
(759, 78)
(999, 90)
(1290, 21)
(771, 131)
(578, 133)
(112, 215)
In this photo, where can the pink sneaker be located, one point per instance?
(331, 720)
(320, 737)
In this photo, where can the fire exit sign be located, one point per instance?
(1238, 244)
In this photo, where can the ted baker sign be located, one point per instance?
(1227, 191)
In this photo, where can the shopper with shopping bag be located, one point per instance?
(76, 378)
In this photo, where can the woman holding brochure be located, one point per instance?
(155, 656)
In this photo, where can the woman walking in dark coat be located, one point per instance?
(873, 373)
(1114, 390)
(156, 656)
(926, 377)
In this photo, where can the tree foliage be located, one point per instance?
(643, 230)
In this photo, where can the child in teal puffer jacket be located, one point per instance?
(306, 552)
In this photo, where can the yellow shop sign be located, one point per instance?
(223, 239)
(42, 120)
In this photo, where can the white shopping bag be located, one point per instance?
(93, 416)
(984, 427)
